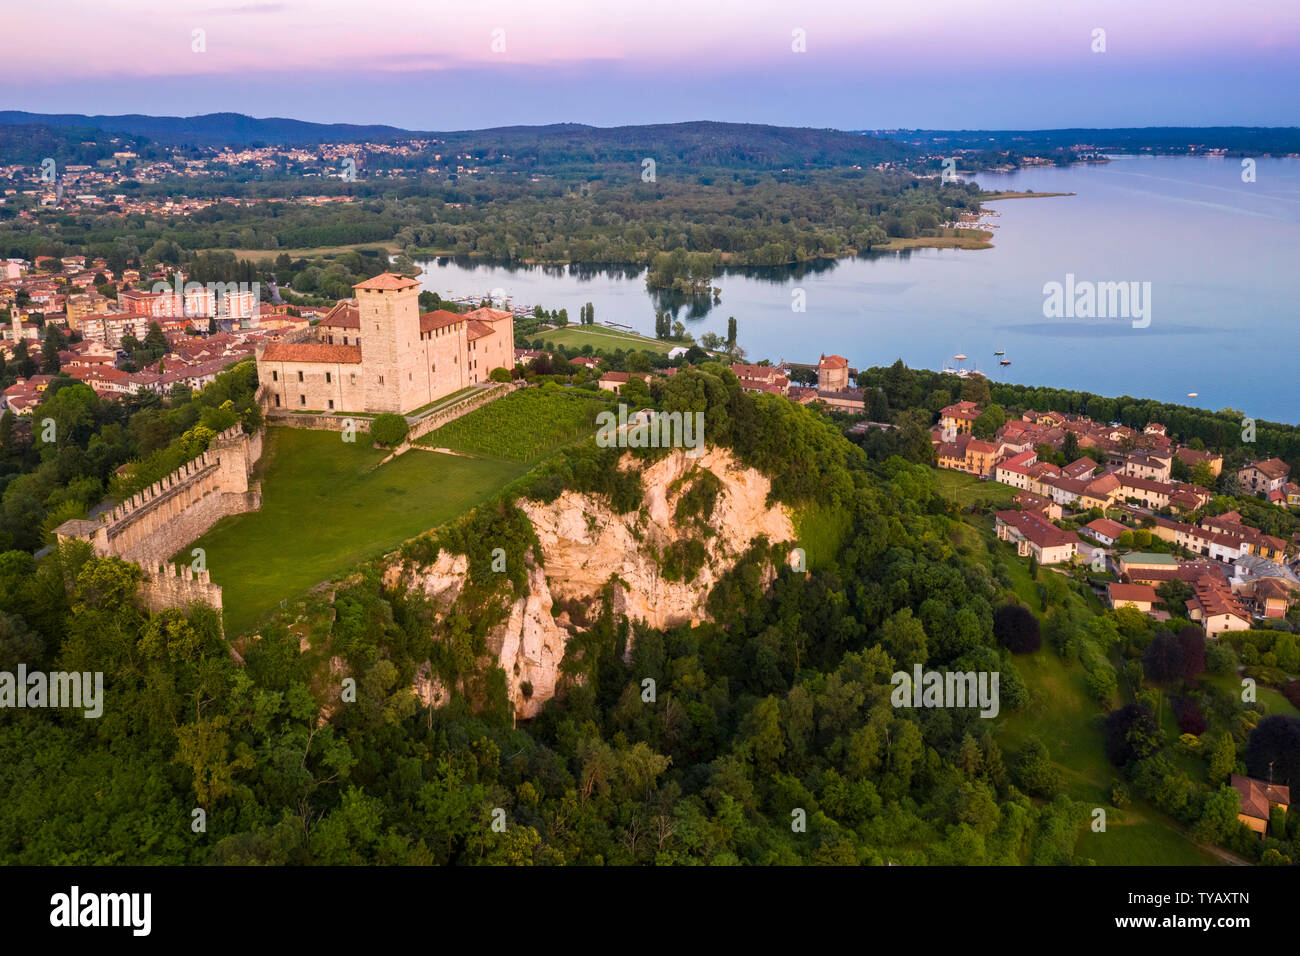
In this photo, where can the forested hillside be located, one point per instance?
(774, 709)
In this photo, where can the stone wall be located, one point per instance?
(440, 418)
(162, 519)
(323, 423)
(165, 586)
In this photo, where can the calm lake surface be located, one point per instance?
(1222, 257)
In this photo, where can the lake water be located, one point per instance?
(1221, 257)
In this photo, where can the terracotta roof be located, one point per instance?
(489, 315)
(1104, 526)
(344, 315)
(476, 329)
(439, 319)
(1257, 795)
(834, 361)
(1040, 532)
(1142, 593)
(1079, 467)
(1214, 599)
(312, 352)
(386, 282)
(1273, 468)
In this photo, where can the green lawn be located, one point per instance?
(603, 339)
(820, 530)
(1267, 699)
(1070, 724)
(1065, 718)
(326, 508)
(968, 490)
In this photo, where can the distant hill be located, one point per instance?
(694, 144)
(1272, 140)
(212, 129)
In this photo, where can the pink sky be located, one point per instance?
(1189, 61)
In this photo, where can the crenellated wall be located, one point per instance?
(165, 585)
(160, 520)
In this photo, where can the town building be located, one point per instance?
(1258, 798)
(1033, 535)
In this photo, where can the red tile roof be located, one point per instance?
(386, 282)
(439, 319)
(312, 352)
(1120, 593)
(1258, 795)
(344, 315)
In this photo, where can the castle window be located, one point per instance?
(275, 376)
(277, 401)
(381, 380)
(331, 403)
(302, 399)
(345, 340)
(300, 376)
(352, 379)
(331, 338)
(327, 378)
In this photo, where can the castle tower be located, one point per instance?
(389, 310)
(832, 373)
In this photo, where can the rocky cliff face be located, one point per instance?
(584, 543)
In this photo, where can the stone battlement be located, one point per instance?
(181, 476)
(158, 521)
(165, 585)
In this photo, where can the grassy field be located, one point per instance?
(326, 251)
(522, 427)
(603, 339)
(1067, 720)
(326, 508)
(820, 531)
(1267, 700)
(952, 239)
(968, 490)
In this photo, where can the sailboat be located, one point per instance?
(959, 357)
(1003, 362)
(1000, 352)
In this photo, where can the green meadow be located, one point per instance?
(328, 506)
(1070, 723)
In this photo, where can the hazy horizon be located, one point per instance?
(1004, 64)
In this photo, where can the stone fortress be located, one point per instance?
(155, 523)
(409, 358)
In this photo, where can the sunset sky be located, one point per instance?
(430, 65)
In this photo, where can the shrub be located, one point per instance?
(1190, 718)
(388, 429)
(1119, 795)
(1131, 734)
(1220, 658)
(1292, 692)
(1017, 629)
(499, 375)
